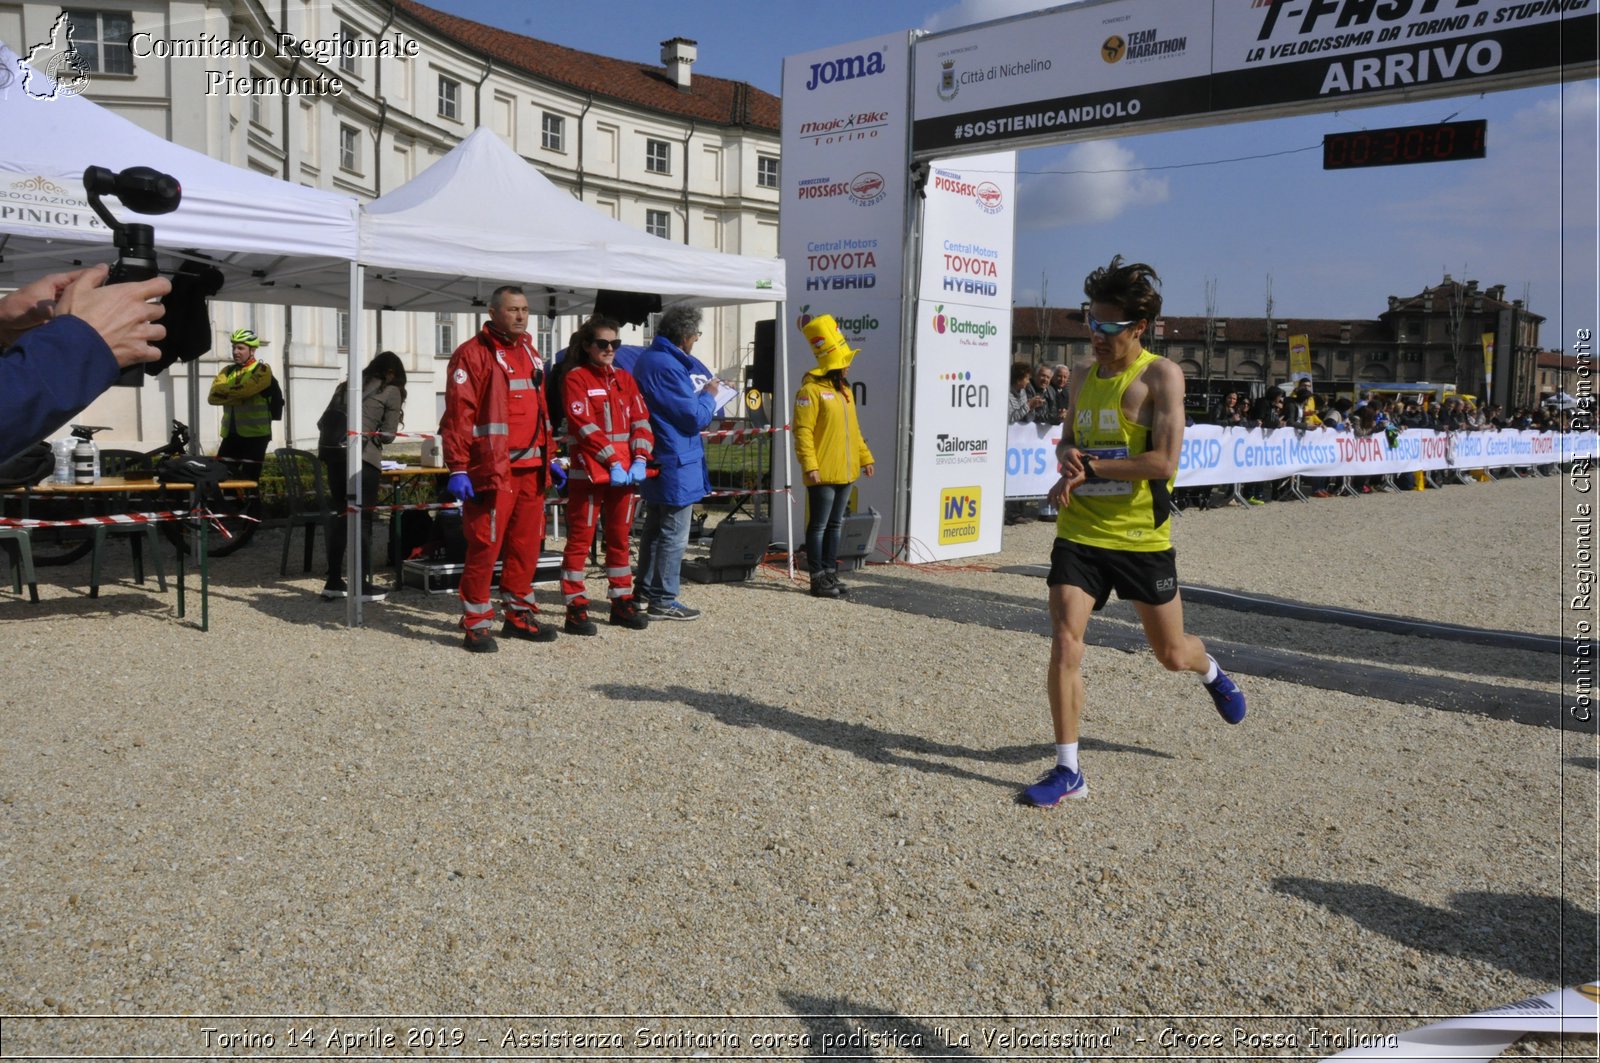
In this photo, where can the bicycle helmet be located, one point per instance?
(247, 337)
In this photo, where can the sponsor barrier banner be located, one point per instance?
(1133, 63)
(845, 141)
(1213, 455)
(963, 340)
(1483, 1035)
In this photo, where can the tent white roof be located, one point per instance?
(482, 216)
(261, 231)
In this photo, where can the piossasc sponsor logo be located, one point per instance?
(868, 188)
(955, 450)
(845, 68)
(990, 199)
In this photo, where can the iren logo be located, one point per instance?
(845, 69)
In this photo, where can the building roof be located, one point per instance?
(1493, 299)
(708, 99)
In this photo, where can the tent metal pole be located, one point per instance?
(354, 540)
(785, 433)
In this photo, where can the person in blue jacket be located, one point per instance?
(63, 340)
(681, 395)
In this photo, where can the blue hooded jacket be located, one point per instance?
(670, 381)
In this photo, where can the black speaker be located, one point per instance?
(760, 376)
(737, 547)
(857, 539)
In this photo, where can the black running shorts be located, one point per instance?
(1150, 576)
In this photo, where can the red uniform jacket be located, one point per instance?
(607, 422)
(477, 401)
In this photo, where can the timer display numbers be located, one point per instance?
(1403, 145)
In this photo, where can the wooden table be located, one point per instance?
(115, 485)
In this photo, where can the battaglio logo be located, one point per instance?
(847, 68)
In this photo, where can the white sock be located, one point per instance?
(1067, 755)
(1213, 671)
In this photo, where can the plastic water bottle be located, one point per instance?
(63, 453)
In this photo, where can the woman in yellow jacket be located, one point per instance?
(828, 443)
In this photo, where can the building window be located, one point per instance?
(255, 109)
(767, 171)
(449, 97)
(555, 132)
(347, 48)
(444, 335)
(658, 223)
(657, 156)
(101, 39)
(341, 328)
(349, 147)
(544, 338)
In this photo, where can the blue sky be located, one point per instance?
(1335, 244)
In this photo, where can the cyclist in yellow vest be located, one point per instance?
(1119, 457)
(242, 390)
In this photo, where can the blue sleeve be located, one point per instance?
(50, 374)
(670, 394)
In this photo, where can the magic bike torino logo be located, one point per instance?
(1141, 45)
(58, 59)
(858, 125)
(959, 510)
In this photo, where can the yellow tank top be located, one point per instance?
(1115, 514)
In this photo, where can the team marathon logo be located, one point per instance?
(58, 59)
(1140, 45)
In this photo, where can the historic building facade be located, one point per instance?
(1434, 336)
(360, 96)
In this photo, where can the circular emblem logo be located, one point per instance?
(1114, 49)
(867, 188)
(577, 407)
(69, 73)
(459, 376)
(752, 399)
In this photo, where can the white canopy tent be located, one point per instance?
(259, 230)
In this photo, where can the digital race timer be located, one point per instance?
(1440, 142)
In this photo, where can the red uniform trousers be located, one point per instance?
(587, 503)
(504, 526)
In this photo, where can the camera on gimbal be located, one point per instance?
(142, 190)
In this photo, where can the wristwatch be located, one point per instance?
(1088, 467)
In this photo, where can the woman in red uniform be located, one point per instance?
(608, 443)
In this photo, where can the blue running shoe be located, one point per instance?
(1059, 782)
(1228, 697)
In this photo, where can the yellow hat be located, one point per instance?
(828, 344)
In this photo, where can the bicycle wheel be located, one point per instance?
(235, 533)
(58, 546)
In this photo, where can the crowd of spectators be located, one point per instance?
(1302, 408)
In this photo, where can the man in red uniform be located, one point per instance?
(609, 441)
(498, 446)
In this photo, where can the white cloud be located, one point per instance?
(968, 12)
(1097, 190)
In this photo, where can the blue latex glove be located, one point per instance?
(558, 476)
(619, 475)
(460, 485)
(636, 471)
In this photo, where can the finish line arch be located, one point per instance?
(898, 184)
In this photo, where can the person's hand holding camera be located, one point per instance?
(32, 304)
(121, 313)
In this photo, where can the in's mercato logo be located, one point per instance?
(964, 394)
(959, 510)
(847, 68)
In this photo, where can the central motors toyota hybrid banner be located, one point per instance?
(963, 345)
(842, 234)
(1057, 75)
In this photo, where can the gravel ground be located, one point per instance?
(795, 817)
